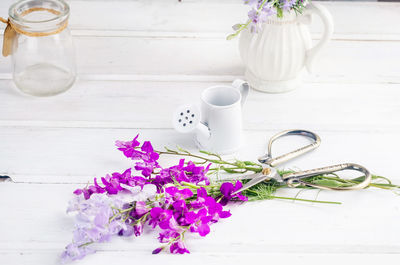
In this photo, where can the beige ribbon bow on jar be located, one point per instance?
(11, 30)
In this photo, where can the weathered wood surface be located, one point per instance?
(137, 61)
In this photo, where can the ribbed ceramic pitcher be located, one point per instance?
(276, 56)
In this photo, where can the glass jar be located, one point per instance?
(43, 53)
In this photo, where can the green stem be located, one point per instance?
(181, 154)
(206, 159)
(376, 185)
(303, 200)
(86, 244)
(142, 218)
(120, 212)
(190, 185)
(241, 167)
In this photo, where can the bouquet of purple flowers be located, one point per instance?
(176, 200)
(170, 200)
(261, 10)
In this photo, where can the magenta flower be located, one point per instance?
(210, 212)
(149, 151)
(166, 235)
(227, 189)
(196, 174)
(138, 229)
(112, 184)
(179, 248)
(174, 194)
(141, 209)
(128, 148)
(161, 217)
(146, 155)
(157, 250)
(146, 168)
(214, 208)
(87, 192)
(199, 222)
(181, 172)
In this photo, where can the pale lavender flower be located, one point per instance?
(286, 5)
(92, 224)
(252, 2)
(75, 252)
(259, 14)
(261, 10)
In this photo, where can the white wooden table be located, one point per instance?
(137, 61)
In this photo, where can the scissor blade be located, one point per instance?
(247, 177)
(255, 180)
(251, 183)
(258, 178)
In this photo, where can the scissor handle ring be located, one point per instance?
(267, 159)
(294, 180)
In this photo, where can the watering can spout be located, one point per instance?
(187, 119)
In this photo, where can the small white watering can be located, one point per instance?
(218, 121)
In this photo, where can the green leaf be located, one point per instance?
(250, 163)
(215, 161)
(167, 149)
(279, 12)
(231, 37)
(240, 164)
(228, 170)
(328, 183)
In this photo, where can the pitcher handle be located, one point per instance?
(243, 88)
(326, 17)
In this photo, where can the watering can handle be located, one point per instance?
(315, 8)
(243, 88)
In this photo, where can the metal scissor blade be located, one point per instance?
(246, 177)
(257, 179)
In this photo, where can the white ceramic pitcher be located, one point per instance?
(276, 55)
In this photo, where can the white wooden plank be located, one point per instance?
(135, 104)
(366, 222)
(61, 155)
(374, 20)
(109, 58)
(49, 257)
(346, 61)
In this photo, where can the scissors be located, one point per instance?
(295, 179)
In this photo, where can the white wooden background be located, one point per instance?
(137, 61)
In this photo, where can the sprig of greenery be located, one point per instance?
(267, 189)
(231, 167)
(297, 8)
(240, 27)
